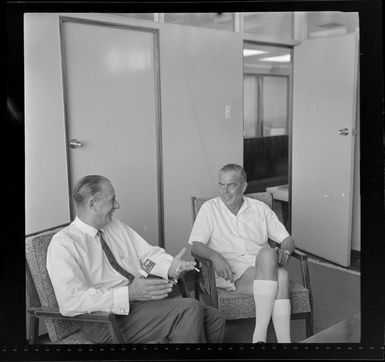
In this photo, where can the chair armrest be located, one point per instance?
(53, 313)
(98, 317)
(302, 257)
(182, 287)
(299, 255)
(204, 281)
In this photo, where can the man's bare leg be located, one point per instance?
(269, 285)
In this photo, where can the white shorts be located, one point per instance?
(238, 264)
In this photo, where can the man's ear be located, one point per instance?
(244, 187)
(91, 204)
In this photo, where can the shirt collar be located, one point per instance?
(90, 230)
(244, 205)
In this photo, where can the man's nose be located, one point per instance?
(116, 205)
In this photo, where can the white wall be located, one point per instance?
(201, 73)
(46, 193)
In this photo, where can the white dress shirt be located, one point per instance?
(237, 237)
(82, 277)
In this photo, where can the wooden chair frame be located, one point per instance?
(37, 312)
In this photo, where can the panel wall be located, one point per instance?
(201, 73)
(45, 156)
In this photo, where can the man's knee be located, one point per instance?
(214, 314)
(266, 257)
(191, 306)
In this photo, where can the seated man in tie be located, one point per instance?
(233, 231)
(94, 265)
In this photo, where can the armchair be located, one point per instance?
(43, 303)
(241, 306)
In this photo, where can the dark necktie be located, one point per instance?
(112, 259)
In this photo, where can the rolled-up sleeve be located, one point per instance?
(275, 229)
(73, 294)
(202, 228)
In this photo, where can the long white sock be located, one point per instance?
(264, 296)
(281, 320)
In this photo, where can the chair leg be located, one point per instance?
(309, 325)
(182, 288)
(196, 283)
(33, 330)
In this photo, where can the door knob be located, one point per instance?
(343, 132)
(74, 143)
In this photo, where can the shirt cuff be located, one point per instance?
(198, 240)
(121, 301)
(163, 267)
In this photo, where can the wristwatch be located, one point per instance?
(287, 252)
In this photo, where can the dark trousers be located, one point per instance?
(176, 320)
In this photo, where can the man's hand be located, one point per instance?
(179, 266)
(283, 256)
(222, 267)
(285, 251)
(148, 289)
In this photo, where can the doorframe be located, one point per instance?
(158, 110)
(290, 91)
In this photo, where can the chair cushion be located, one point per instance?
(36, 256)
(240, 306)
(76, 338)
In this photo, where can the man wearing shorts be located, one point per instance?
(233, 231)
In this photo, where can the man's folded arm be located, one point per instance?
(221, 266)
(146, 251)
(202, 250)
(73, 294)
(277, 231)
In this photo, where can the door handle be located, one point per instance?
(74, 143)
(343, 131)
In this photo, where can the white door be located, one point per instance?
(109, 78)
(324, 106)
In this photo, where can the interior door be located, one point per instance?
(324, 99)
(111, 115)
